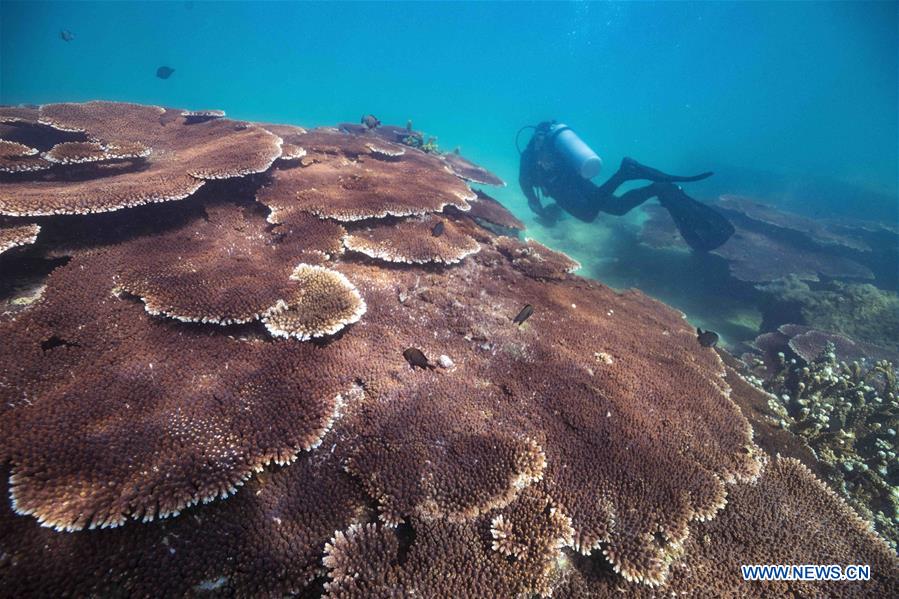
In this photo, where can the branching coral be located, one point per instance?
(848, 414)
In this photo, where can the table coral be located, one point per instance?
(598, 436)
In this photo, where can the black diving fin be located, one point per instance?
(633, 170)
(702, 227)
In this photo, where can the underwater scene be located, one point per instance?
(449, 299)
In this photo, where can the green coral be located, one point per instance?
(431, 146)
(848, 415)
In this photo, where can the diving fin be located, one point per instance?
(702, 227)
(633, 170)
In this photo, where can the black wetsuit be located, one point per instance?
(544, 172)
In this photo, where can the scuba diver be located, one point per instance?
(558, 164)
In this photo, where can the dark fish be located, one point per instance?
(523, 315)
(706, 338)
(66, 35)
(437, 230)
(416, 358)
(164, 72)
(370, 121)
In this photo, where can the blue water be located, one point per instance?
(795, 102)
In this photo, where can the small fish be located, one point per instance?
(66, 35)
(437, 230)
(164, 72)
(415, 358)
(706, 338)
(370, 121)
(523, 315)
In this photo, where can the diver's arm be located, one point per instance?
(526, 181)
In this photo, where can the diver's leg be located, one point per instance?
(629, 200)
(631, 170)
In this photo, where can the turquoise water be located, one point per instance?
(791, 101)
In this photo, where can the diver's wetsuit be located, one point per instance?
(544, 171)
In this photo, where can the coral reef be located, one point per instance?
(223, 269)
(490, 214)
(412, 241)
(860, 311)
(17, 235)
(847, 414)
(182, 156)
(536, 260)
(341, 184)
(821, 232)
(221, 370)
(760, 252)
(762, 525)
(468, 170)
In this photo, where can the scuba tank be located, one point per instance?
(577, 154)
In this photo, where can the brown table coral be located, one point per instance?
(413, 241)
(596, 436)
(347, 180)
(760, 252)
(16, 235)
(177, 157)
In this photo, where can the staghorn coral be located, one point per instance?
(182, 158)
(412, 241)
(17, 235)
(341, 184)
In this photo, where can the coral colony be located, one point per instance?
(214, 391)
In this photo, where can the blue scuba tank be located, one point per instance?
(578, 154)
